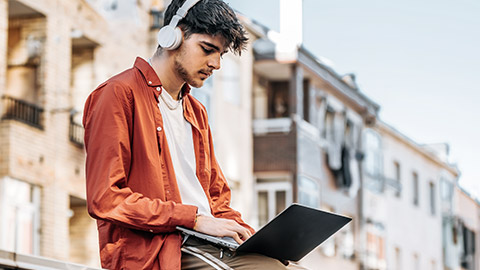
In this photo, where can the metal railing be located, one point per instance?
(22, 111)
(76, 132)
(11, 260)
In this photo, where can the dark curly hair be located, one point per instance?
(211, 17)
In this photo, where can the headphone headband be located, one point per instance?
(170, 36)
(183, 10)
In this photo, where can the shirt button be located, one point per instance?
(150, 231)
(159, 128)
(158, 88)
(149, 82)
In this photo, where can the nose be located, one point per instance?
(214, 61)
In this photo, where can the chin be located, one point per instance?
(196, 83)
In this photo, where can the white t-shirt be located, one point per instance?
(180, 142)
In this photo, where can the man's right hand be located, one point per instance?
(222, 227)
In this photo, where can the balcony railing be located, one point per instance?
(22, 111)
(76, 132)
(272, 125)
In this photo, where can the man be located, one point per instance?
(150, 157)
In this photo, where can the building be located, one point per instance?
(403, 200)
(460, 231)
(52, 55)
(56, 53)
(308, 128)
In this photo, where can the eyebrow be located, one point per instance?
(213, 46)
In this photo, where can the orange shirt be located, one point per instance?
(131, 185)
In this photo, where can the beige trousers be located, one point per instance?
(200, 256)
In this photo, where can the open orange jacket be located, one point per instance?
(131, 185)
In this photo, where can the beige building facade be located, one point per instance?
(463, 233)
(308, 124)
(403, 201)
(54, 53)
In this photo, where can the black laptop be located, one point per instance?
(289, 236)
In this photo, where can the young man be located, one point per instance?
(150, 157)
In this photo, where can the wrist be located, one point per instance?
(195, 222)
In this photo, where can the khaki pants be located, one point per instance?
(200, 256)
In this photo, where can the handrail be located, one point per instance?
(76, 132)
(12, 260)
(20, 110)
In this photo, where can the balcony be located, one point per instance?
(274, 145)
(76, 132)
(19, 110)
(287, 144)
(265, 126)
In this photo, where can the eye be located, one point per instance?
(207, 51)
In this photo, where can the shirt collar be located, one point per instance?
(151, 78)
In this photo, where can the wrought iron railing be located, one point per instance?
(23, 111)
(76, 132)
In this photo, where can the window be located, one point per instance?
(328, 131)
(20, 219)
(415, 190)
(306, 101)
(308, 192)
(328, 247)
(273, 196)
(432, 198)
(347, 242)
(278, 99)
(373, 154)
(375, 249)
(349, 134)
(416, 262)
(446, 190)
(230, 80)
(81, 226)
(204, 95)
(396, 166)
(398, 259)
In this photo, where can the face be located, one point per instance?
(197, 58)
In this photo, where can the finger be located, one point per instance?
(236, 237)
(244, 234)
(242, 231)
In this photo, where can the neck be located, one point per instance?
(164, 67)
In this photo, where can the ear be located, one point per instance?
(169, 37)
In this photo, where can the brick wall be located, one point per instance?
(275, 152)
(46, 157)
(83, 232)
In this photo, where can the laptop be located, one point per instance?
(291, 235)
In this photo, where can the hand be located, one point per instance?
(222, 227)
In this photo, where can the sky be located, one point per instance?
(419, 60)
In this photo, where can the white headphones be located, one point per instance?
(170, 36)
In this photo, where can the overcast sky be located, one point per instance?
(419, 60)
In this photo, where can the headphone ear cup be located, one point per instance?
(166, 37)
(178, 38)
